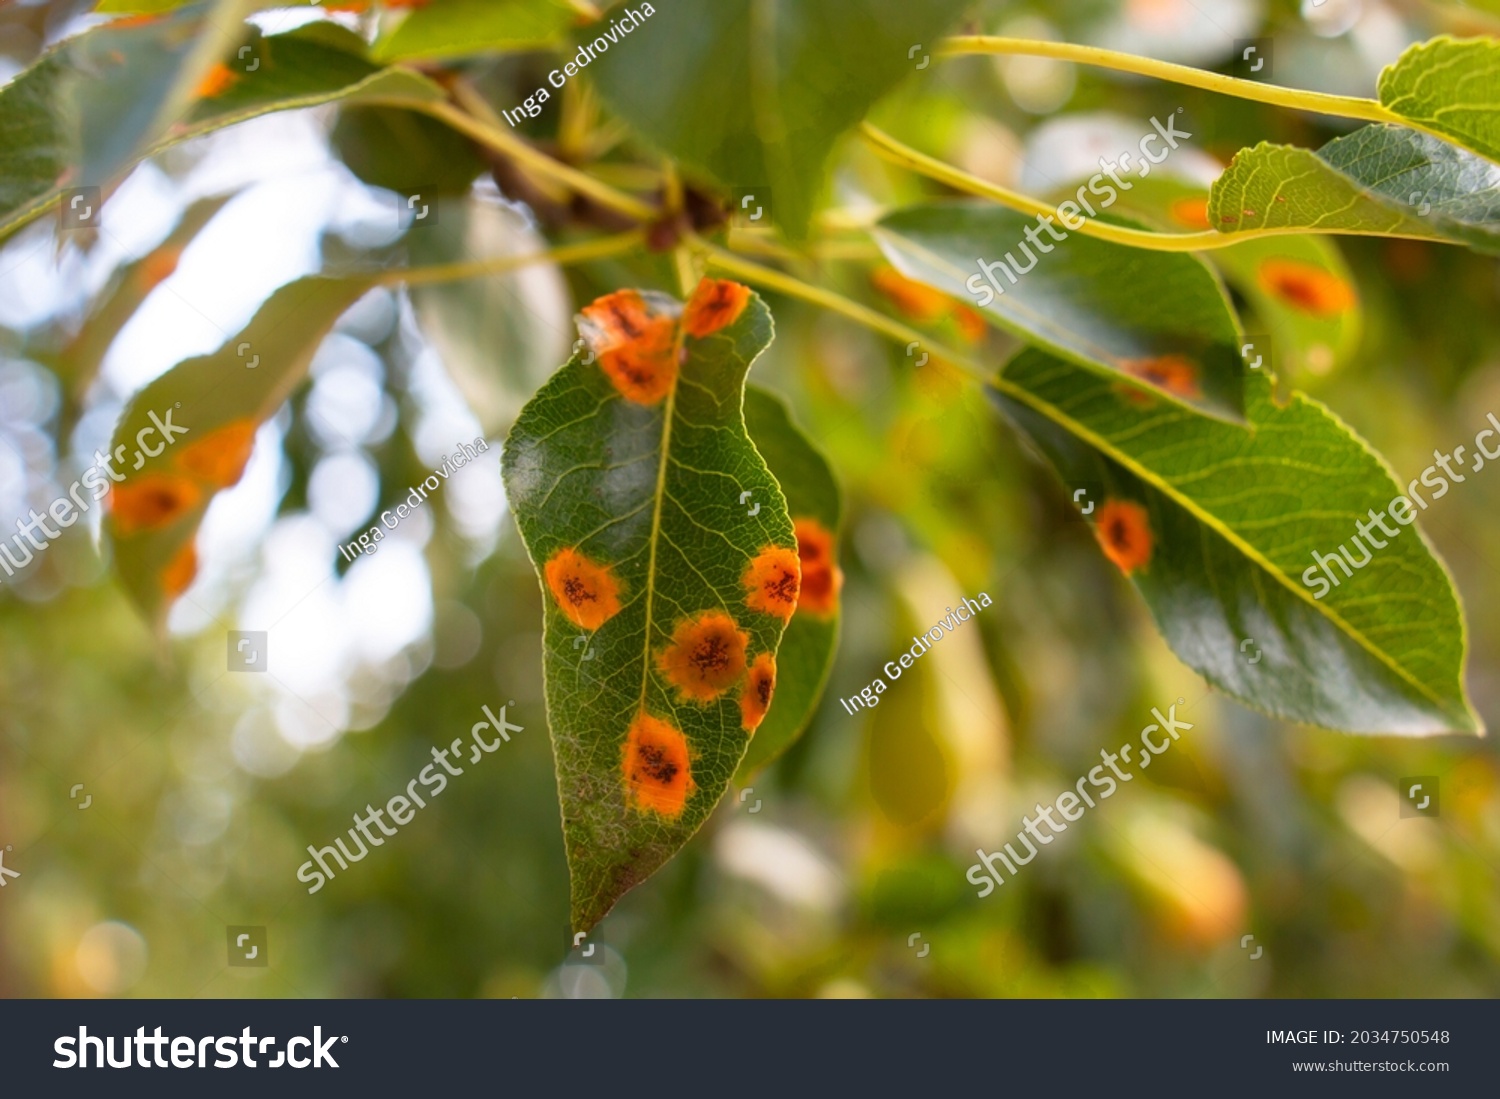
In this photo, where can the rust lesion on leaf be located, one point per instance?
(1191, 212)
(216, 81)
(636, 343)
(705, 657)
(656, 767)
(773, 581)
(151, 502)
(1176, 374)
(180, 572)
(587, 592)
(220, 456)
(1124, 532)
(1306, 287)
(821, 576)
(715, 304)
(760, 685)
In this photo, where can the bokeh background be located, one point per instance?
(205, 787)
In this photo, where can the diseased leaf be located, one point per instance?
(1451, 85)
(500, 337)
(807, 650)
(1217, 526)
(1159, 318)
(755, 92)
(153, 7)
(462, 28)
(90, 106)
(78, 361)
(668, 567)
(212, 406)
(124, 85)
(1302, 291)
(40, 142)
(1379, 180)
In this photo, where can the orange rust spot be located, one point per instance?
(705, 657)
(760, 684)
(220, 456)
(970, 323)
(773, 579)
(658, 773)
(636, 344)
(1124, 532)
(152, 501)
(821, 576)
(917, 300)
(216, 81)
(139, 20)
(1306, 287)
(587, 593)
(1134, 394)
(157, 267)
(1174, 373)
(715, 304)
(178, 576)
(1191, 212)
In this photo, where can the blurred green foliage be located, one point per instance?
(201, 813)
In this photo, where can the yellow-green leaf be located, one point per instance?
(1451, 86)
(211, 406)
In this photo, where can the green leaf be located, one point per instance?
(634, 512)
(500, 337)
(123, 86)
(807, 649)
(461, 28)
(405, 152)
(755, 93)
(220, 399)
(1379, 180)
(1300, 288)
(40, 139)
(91, 105)
(1451, 86)
(1217, 525)
(154, 7)
(78, 362)
(1158, 318)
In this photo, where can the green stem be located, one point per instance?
(1344, 106)
(586, 250)
(837, 303)
(898, 153)
(491, 136)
